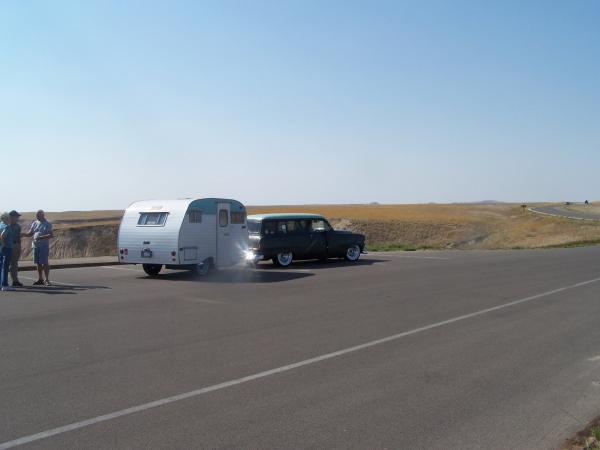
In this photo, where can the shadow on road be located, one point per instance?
(264, 272)
(56, 289)
(235, 276)
(318, 264)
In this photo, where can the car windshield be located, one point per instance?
(253, 226)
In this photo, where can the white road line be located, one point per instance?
(53, 282)
(307, 362)
(202, 300)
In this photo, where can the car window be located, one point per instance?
(320, 225)
(282, 227)
(301, 226)
(290, 226)
(270, 227)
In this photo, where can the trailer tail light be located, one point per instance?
(174, 254)
(126, 252)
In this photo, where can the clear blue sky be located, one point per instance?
(103, 103)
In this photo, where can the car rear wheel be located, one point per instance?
(152, 269)
(283, 259)
(352, 253)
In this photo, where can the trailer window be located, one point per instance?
(195, 216)
(223, 217)
(152, 219)
(238, 217)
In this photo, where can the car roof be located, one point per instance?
(284, 216)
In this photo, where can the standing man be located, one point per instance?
(6, 243)
(16, 251)
(41, 231)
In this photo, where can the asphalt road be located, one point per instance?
(558, 210)
(433, 350)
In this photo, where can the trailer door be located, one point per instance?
(225, 250)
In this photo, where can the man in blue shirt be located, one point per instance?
(6, 242)
(41, 231)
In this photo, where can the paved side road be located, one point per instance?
(555, 210)
(432, 350)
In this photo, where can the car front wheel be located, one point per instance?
(352, 253)
(283, 259)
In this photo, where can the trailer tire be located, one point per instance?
(152, 269)
(204, 268)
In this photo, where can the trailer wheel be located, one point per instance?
(204, 268)
(283, 259)
(152, 269)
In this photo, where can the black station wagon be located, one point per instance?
(285, 237)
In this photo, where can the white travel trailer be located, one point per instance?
(194, 234)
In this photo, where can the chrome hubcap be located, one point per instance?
(284, 258)
(353, 252)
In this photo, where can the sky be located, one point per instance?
(294, 102)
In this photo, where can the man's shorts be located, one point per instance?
(40, 255)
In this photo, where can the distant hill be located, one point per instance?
(482, 202)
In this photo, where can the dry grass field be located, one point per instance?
(72, 219)
(409, 227)
(464, 226)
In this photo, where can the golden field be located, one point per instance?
(465, 226)
(434, 226)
